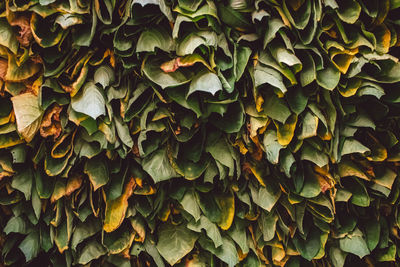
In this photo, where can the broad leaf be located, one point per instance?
(175, 242)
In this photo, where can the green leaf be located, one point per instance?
(221, 152)
(385, 177)
(152, 250)
(104, 75)
(174, 242)
(22, 181)
(61, 238)
(272, 146)
(337, 256)
(104, 10)
(44, 34)
(7, 37)
(309, 72)
(152, 38)
(10, 139)
(83, 35)
(241, 58)
(153, 71)
(284, 56)
(84, 230)
(349, 11)
(54, 166)
(309, 247)
(372, 233)
(226, 252)
(387, 254)
(165, 9)
(310, 153)
(301, 12)
(123, 132)
(360, 195)
(233, 119)
(309, 126)
(239, 234)
(189, 5)
(157, 165)
(394, 4)
(354, 243)
(328, 78)
(267, 75)
(194, 40)
(266, 58)
(265, 197)
(211, 229)
(276, 108)
(91, 251)
(274, 25)
(232, 17)
(351, 145)
(89, 101)
(119, 240)
(209, 207)
(311, 187)
(97, 170)
(36, 202)
(30, 246)
(44, 185)
(268, 224)
(16, 225)
(205, 82)
(189, 203)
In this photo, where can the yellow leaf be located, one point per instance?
(383, 37)
(164, 213)
(242, 147)
(342, 58)
(258, 171)
(285, 132)
(226, 203)
(351, 87)
(116, 208)
(259, 103)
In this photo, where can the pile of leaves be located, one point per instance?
(199, 132)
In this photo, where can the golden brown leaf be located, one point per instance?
(73, 183)
(3, 68)
(24, 36)
(116, 209)
(51, 125)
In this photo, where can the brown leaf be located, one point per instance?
(295, 4)
(325, 179)
(3, 68)
(51, 125)
(73, 183)
(135, 149)
(256, 152)
(323, 183)
(174, 64)
(24, 36)
(170, 66)
(36, 59)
